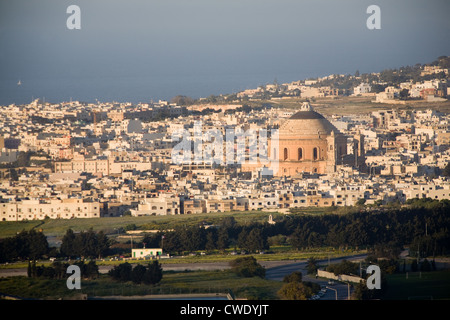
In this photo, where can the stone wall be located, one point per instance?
(341, 277)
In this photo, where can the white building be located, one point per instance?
(146, 252)
(362, 88)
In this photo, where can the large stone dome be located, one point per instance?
(307, 122)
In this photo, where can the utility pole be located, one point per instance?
(348, 289)
(333, 290)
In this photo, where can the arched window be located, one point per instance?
(315, 153)
(285, 154)
(300, 154)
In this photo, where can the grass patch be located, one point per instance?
(221, 281)
(419, 286)
(30, 288)
(58, 227)
(11, 228)
(110, 225)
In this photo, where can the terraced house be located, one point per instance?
(40, 209)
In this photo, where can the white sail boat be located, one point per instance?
(19, 83)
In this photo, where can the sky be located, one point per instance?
(142, 50)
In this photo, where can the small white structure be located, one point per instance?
(362, 88)
(146, 252)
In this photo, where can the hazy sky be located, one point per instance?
(204, 41)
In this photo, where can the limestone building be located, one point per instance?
(309, 143)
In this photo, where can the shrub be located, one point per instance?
(293, 277)
(247, 267)
(124, 272)
(295, 291)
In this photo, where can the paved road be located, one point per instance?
(165, 266)
(278, 273)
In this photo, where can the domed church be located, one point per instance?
(309, 143)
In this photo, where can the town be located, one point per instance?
(108, 159)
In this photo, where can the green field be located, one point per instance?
(187, 282)
(419, 286)
(110, 225)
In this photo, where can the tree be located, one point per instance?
(297, 238)
(311, 266)
(29, 269)
(102, 244)
(153, 240)
(361, 202)
(425, 265)
(293, 277)
(247, 267)
(172, 242)
(361, 291)
(67, 244)
(222, 239)
(253, 240)
(404, 94)
(182, 100)
(211, 240)
(242, 240)
(14, 176)
(138, 273)
(122, 272)
(61, 269)
(153, 274)
(295, 291)
(414, 265)
(344, 267)
(87, 244)
(38, 244)
(91, 270)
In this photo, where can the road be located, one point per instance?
(342, 290)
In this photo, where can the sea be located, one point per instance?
(134, 89)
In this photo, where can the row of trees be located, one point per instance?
(88, 244)
(26, 245)
(423, 226)
(58, 270)
(150, 274)
(250, 238)
(33, 245)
